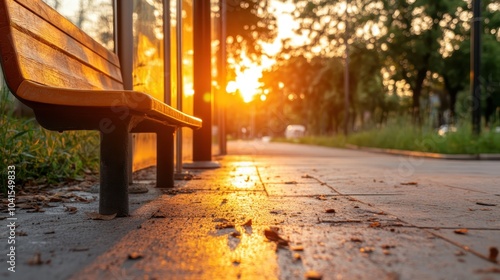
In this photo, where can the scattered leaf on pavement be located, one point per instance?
(493, 254)
(367, 250)
(70, 209)
(356, 239)
(296, 256)
(297, 248)
(291, 182)
(224, 225)
(248, 223)
(461, 231)
(485, 204)
(135, 256)
(375, 225)
(330, 210)
(97, 216)
(79, 249)
(313, 275)
(272, 235)
(36, 259)
(409, 183)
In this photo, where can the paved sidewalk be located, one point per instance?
(284, 211)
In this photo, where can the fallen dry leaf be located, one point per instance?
(291, 182)
(493, 254)
(135, 256)
(79, 249)
(248, 223)
(367, 250)
(224, 225)
(272, 235)
(356, 239)
(297, 248)
(70, 209)
(307, 176)
(296, 256)
(313, 275)
(330, 211)
(409, 183)
(375, 225)
(36, 259)
(485, 204)
(97, 216)
(461, 231)
(235, 234)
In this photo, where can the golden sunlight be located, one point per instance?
(246, 82)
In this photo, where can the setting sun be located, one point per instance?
(247, 78)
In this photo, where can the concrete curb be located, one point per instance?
(427, 155)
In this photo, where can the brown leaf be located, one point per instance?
(330, 210)
(313, 275)
(224, 225)
(485, 204)
(79, 249)
(375, 225)
(97, 216)
(36, 259)
(70, 209)
(461, 231)
(409, 184)
(235, 234)
(248, 223)
(307, 176)
(272, 235)
(135, 256)
(367, 250)
(297, 248)
(356, 239)
(291, 182)
(493, 254)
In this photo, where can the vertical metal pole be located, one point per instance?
(202, 138)
(178, 15)
(476, 67)
(222, 73)
(167, 76)
(124, 45)
(346, 72)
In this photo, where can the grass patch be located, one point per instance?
(407, 137)
(42, 156)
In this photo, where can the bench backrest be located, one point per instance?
(39, 44)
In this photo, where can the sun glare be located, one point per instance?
(247, 78)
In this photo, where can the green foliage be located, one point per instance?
(40, 155)
(403, 136)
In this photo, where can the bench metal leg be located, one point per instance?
(165, 158)
(113, 192)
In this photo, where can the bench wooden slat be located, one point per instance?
(44, 64)
(132, 100)
(72, 63)
(54, 18)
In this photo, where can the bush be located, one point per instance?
(42, 156)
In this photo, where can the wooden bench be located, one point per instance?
(73, 83)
